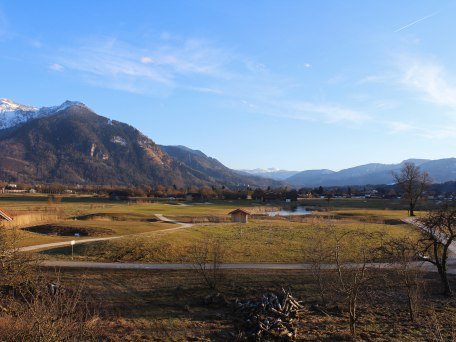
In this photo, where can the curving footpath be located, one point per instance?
(162, 218)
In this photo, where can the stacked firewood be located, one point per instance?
(270, 317)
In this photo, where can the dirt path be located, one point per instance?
(180, 225)
(294, 266)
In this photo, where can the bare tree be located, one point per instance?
(439, 229)
(413, 183)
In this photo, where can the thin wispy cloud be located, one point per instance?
(36, 43)
(202, 67)
(400, 127)
(373, 79)
(438, 132)
(206, 90)
(329, 112)
(146, 60)
(416, 22)
(430, 80)
(308, 111)
(56, 67)
(113, 61)
(418, 130)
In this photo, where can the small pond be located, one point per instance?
(290, 212)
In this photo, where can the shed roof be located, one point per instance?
(5, 215)
(239, 210)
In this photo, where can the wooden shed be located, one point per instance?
(239, 215)
(4, 215)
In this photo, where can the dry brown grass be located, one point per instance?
(22, 219)
(169, 305)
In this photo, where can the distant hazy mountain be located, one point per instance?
(441, 170)
(271, 173)
(309, 177)
(71, 144)
(197, 160)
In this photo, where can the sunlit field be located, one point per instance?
(263, 239)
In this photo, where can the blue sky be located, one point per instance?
(287, 84)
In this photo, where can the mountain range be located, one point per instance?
(73, 145)
(441, 170)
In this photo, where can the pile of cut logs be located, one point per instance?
(271, 316)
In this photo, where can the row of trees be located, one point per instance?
(410, 183)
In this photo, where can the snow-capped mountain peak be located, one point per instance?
(12, 113)
(7, 105)
(270, 172)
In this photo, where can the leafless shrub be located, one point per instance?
(402, 254)
(15, 267)
(352, 278)
(44, 311)
(207, 256)
(318, 255)
(31, 309)
(437, 330)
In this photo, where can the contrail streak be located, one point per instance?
(416, 21)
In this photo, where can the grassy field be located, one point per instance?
(280, 239)
(101, 217)
(257, 242)
(365, 203)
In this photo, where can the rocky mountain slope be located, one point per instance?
(197, 160)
